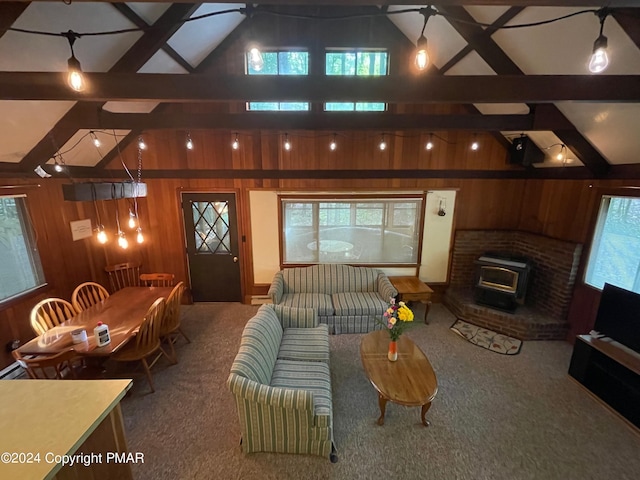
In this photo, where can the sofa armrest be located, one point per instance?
(277, 288)
(291, 317)
(385, 288)
(287, 398)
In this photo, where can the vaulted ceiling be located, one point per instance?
(530, 80)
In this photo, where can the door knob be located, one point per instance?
(235, 259)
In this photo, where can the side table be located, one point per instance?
(412, 289)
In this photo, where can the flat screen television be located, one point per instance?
(619, 316)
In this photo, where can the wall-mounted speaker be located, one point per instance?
(524, 152)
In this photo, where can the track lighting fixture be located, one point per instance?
(599, 59)
(333, 145)
(383, 144)
(189, 143)
(422, 55)
(236, 144)
(287, 143)
(254, 59)
(95, 139)
(74, 75)
(141, 144)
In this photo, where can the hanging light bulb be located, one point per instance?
(139, 236)
(95, 139)
(475, 145)
(56, 166)
(429, 145)
(422, 56)
(256, 62)
(561, 154)
(74, 75)
(132, 219)
(101, 235)
(333, 145)
(141, 144)
(189, 143)
(236, 144)
(383, 144)
(599, 59)
(287, 143)
(122, 240)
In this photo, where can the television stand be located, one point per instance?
(611, 372)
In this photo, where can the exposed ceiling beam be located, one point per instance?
(133, 17)
(141, 51)
(522, 3)
(500, 62)
(9, 13)
(629, 20)
(311, 88)
(330, 121)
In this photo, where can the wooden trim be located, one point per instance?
(524, 3)
(16, 299)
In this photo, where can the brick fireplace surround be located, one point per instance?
(544, 314)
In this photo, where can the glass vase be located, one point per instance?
(392, 355)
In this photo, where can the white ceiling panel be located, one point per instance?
(46, 53)
(130, 107)
(443, 40)
(196, 39)
(149, 11)
(550, 50)
(485, 14)
(80, 150)
(551, 146)
(24, 123)
(612, 128)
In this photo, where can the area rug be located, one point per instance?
(496, 342)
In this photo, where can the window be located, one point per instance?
(20, 269)
(361, 231)
(615, 250)
(280, 63)
(360, 63)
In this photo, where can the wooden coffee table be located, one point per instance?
(411, 289)
(408, 381)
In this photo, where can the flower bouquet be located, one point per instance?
(397, 318)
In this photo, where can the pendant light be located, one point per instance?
(421, 59)
(599, 60)
(333, 145)
(236, 144)
(254, 59)
(75, 79)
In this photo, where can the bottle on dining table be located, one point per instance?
(102, 335)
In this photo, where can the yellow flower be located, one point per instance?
(392, 321)
(405, 314)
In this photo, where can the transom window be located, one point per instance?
(357, 231)
(280, 63)
(615, 250)
(356, 63)
(20, 268)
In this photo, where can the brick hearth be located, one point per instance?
(544, 314)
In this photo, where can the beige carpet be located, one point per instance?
(495, 416)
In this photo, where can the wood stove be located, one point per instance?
(501, 280)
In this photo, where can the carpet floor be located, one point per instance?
(495, 416)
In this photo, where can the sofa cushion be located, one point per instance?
(329, 278)
(359, 303)
(312, 376)
(318, 301)
(310, 344)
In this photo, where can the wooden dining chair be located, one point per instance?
(146, 342)
(50, 367)
(50, 313)
(87, 294)
(123, 275)
(171, 320)
(157, 279)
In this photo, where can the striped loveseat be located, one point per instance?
(348, 299)
(281, 382)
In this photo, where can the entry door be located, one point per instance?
(211, 228)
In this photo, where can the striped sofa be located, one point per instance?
(281, 382)
(348, 299)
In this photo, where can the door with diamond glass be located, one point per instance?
(210, 225)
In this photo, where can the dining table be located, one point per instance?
(122, 311)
